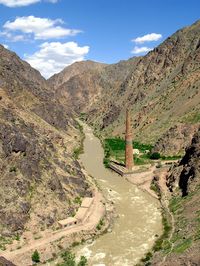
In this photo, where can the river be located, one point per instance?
(139, 220)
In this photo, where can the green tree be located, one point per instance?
(83, 261)
(155, 156)
(36, 256)
(68, 259)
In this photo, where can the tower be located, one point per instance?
(128, 141)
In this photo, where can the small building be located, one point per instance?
(84, 209)
(87, 202)
(81, 214)
(67, 222)
(5, 262)
(136, 151)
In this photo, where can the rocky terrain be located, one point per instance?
(161, 89)
(186, 175)
(175, 140)
(40, 177)
(184, 183)
(73, 70)
(82, 84)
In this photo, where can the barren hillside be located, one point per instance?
(40, 177)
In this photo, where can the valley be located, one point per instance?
(60, 136)
(138, 220)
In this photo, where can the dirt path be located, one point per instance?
(172, 230)
(143, 180)
(165, 203)
(22, 256)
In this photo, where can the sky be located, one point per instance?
(52, 34)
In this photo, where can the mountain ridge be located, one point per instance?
(161, 89)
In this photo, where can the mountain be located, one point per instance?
(40, 178)
(75, 69)
(176, 139)
(161, 89)
(82, 84)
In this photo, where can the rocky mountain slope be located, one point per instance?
(184, 183)
(73, 70)
(176, 139)
(40, 179)
(161, 89)
(186, 175)
(82, 85)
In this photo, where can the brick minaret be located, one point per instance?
(129, 145)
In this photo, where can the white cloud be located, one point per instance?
(5, 46)
(39, 28)
(18, 3)
(55, 56)
(148, 38)
(140, 50)
(11, 37)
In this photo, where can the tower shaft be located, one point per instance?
(129, 144)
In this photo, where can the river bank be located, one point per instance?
(139, 221)
(136, 227)
(51, 242)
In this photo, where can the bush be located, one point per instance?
(36, 256)
(159, 242)
(78, 200)
(100, 224)
(174, 157)
(13, 169)
(106, 162)
(82, 262)
(69, 260)
(77, 152)
(147, 257)
(155, 156)
(17, 237)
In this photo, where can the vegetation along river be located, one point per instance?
(139, 220)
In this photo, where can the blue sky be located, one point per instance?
(51, 34)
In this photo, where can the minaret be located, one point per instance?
(129, 144)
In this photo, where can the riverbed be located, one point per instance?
(139, 220)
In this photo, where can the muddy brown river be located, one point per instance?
(139, 221)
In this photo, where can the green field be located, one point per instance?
(114, 148)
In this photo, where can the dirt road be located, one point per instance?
(22, 256)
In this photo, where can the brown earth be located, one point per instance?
(40, 176)
(175, 140)
(48, 242)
